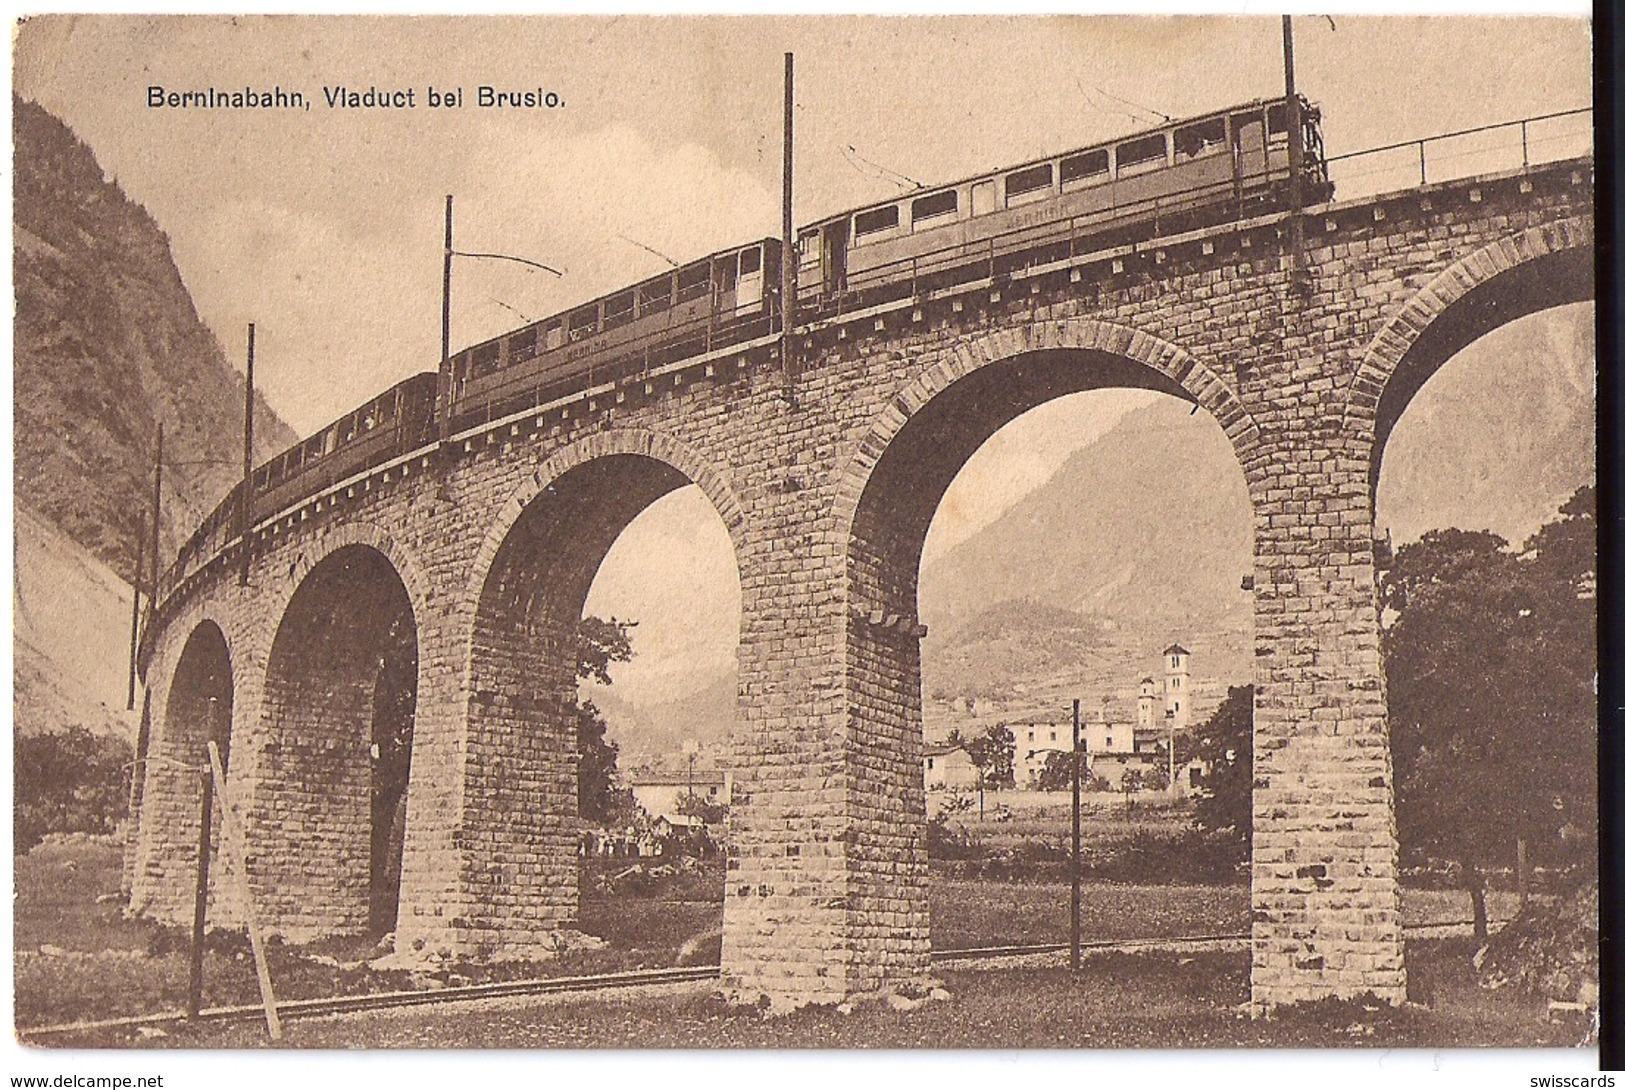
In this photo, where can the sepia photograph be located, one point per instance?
(1066, 534)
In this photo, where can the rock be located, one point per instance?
(51, 951)
(902, 1003)
(941, 995)
(150, 1032)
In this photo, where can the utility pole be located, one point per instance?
(445, 333)
(1077, 845)
(135, 610)
(157, 510)
(247, 507)
(1294, 146)
(1171, 724)
(787, 259)
(200, 893)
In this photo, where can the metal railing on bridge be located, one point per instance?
(1465, 153)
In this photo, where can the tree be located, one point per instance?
(70, 781)
(1056, 775)
(993, 752)
(1224, 746)
(1153, 777)
(599, 794)
(693, 805)
(1490, 658)
(600, 643)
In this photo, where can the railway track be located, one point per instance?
(352, 1004)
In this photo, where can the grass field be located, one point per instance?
(1117, 1001)
(77, 958)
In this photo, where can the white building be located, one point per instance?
(948, 768)
(659, 792)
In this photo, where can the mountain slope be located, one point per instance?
(108, 345)
(1150, 524)
(70, 634)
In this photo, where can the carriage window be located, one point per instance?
(750, 261)
(1018, 182)
(1200, 139)
(1091, 164)
(937, 204)
(553, 335)
(876, 219)
(484, 359)
(583, 321)
(1239, 122)
(693, 282)
(1147, 149)
(1278, 119)
(618, 310)
(808, 242)
(522, 346)
(725, 272)
(655, 295)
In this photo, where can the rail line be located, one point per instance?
(353, 1004)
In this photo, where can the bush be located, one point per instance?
(70, 781)
(944, 842)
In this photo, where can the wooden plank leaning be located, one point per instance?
(233, 834)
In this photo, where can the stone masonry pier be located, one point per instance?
(482, 550)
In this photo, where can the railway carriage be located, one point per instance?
(1182, 175)
(723, 299)
(1185, 174)
(399, 420)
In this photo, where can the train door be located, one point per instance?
(1247, 145)
(834, 257)
(748, 288)
(810, 260)
(984, 197)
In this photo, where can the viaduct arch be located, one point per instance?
(1305, 359)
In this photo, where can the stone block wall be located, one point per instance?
(827, 488)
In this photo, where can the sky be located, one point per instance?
(323, 227)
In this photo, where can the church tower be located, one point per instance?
(1176, 663)
(1147, 707)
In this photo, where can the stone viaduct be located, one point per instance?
(473, 562)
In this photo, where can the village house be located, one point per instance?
(1113, 746)
(948, 768)
(660, 792)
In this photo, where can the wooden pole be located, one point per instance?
(1294, 144)
(135, 611)
(445, 333)
(787, 259)
(246, 506)
(157, 511)
(233, 832)
(1077, 839)
(200, 893)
